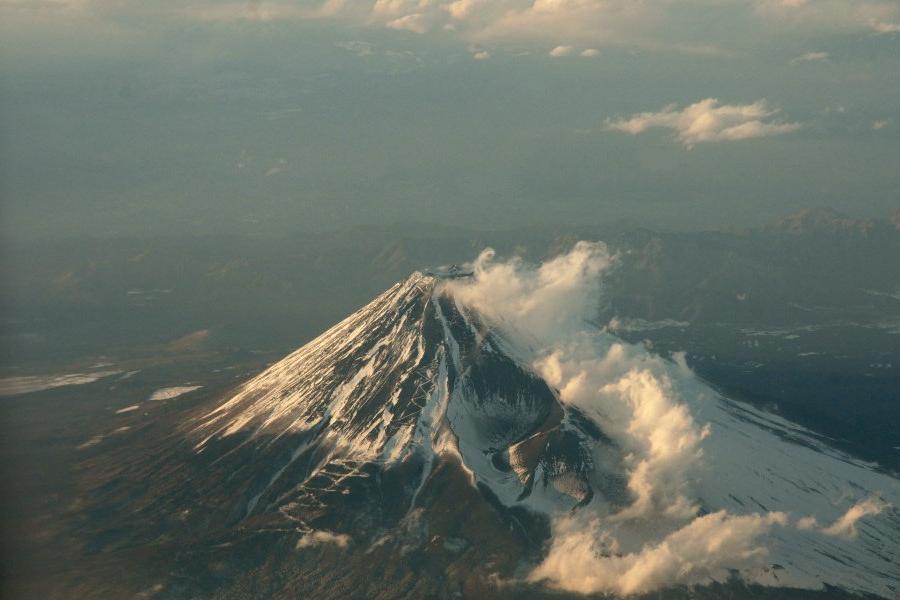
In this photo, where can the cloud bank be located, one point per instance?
(653, 24)
(708, 121)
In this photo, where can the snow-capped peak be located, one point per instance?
(649, 477)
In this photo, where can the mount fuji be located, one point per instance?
(471, 432)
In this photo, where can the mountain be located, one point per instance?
(827, 221)
(408, 381)
(436, 443)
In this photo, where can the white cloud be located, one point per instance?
(415, 22)
(585, 21)
(876, 125)
(319, 537)
(548, 302)
(582, 560)
(617, 22)
(590, 53)
(461, 9)
(708, 121)
(809, 57)
(561, 51)
(630, 393)
(394, 7)
(632, 396)
(846, 526)
(481, 55)
(807, 523)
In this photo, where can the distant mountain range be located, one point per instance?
(810, 268)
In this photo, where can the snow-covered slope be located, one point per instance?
(410, 373)
(630, 470)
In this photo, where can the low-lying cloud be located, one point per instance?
(846, 526)
(707, 548)
(708, 121)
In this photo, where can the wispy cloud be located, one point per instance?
(357, 47)
(708, 121)
(809, 57)
(846, 526)
(415, 22)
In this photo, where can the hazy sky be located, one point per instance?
(128, 117)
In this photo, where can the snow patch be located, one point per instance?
(320, 537)
(170, 393)
(13, 386)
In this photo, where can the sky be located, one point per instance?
(149, 118)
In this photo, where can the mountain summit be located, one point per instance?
(411, 379)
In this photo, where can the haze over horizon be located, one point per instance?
(147, 118)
